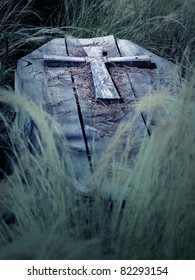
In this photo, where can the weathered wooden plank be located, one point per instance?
(143, 82)
(54, 91)
(62, 103)
(167, 73)
(109, 46)
(63, 61)
(142, 61)
(127, 47)
(31, 76)
(93, 52)
(138, 131)
(29, 82)
(104, 88)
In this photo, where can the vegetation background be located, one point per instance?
(43, 213)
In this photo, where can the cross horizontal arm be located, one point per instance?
(142, 61)
(62, 61)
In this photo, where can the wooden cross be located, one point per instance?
(104, 88)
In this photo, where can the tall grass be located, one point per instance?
(10, 39)
(143, 212)
(20, 33)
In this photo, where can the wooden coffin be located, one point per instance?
(90, 86)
